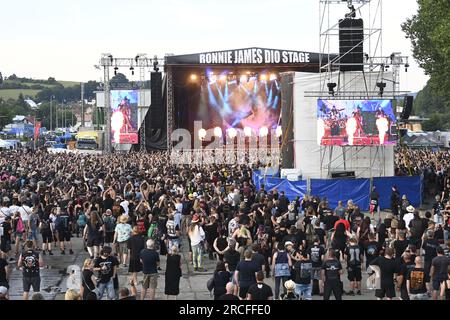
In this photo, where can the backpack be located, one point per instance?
(109, 222)
(20, 227)
(30, 262)
(81, 221)
(354, 253)
(152, 231)
(141, 226)
(45, 226)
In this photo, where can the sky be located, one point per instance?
(65, 39)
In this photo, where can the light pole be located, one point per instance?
(51, 114)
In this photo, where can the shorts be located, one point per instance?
(354, 274)
(315, 275)
(150, 281)
(47, 237)
(419, 296)
(64, 235)
(437, 284)
(243, 292)
(18, 234)
(109, 237)
(94, 242)
(385, 291)
(123, 247)
(29, 282)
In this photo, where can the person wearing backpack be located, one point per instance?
(30, 263)
(281, 264)
(354, 256)
(62, 226)
(93, 233)
(45, 227)
(109, 222)
(310, 234)
(303, 276)
(316, 253)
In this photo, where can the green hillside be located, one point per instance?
(8, 93)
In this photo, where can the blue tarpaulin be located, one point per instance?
(292, 189)
(411, 186)
(335, 189)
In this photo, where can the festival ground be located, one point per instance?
(192, 284)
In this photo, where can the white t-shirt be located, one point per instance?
(124, 204)
(407, 218)
(25, 212)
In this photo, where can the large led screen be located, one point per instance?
(124, 127)
(356, 122)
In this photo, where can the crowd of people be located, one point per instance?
(131, 209)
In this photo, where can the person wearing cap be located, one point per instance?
(197, 236)
(409, 215)
(106, 266)
(122, 234)
(290, 293)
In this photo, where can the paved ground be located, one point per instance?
(192, 285)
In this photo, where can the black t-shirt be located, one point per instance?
(6, 231)
(303, 272)
(387, 269)
(440, 264)
(320, 233)
(247, 270)
(329, 221)
(136, 244)
(417, 280)
(228, 296)
(316, 253)
(3, 264)
(108, 203)
(353, 254)
(108, 264)
(87, 280)
(259, 259)
(404, 271)
(300, 236)
(430, 247)
(372, 250)
(260, 291)
(231, 257)
(30, 263)
(400, 247)
(332, 268)
(149, 261)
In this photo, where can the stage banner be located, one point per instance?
(124, 126)
(342, 189)
(409, 186)
(255, 56)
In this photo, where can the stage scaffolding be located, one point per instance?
(386, 69)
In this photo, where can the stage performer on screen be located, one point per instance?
(125, 108)
(357, 115)
(351, 127)
(382, 124)
(259, 117)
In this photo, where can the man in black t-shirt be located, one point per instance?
(229, 295)
(30, 263)
(231, 257)
(331, 276)
(405, 266)
(354, 256)
(245, 274)
(429, 246)
(106, 265)
(372, 249)
(439, 270)
(388, 267)
(416, 282)
(150, 263)
(316, 253)
(4, 272)
(259, 290)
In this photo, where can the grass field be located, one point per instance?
(14, 93)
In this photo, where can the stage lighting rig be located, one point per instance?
(406, 67)
(132, 71)
(352, 13)
(111, 58)
(115, 70)
(331, 86)
(381, 86)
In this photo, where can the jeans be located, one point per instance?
(173, 242)
(109, 286)
(419, 296)
(305, 290)
(278, 281)
(197, 255)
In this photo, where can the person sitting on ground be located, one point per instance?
(124, 294)
(229, 295)
(37, 296)
(71, 294)
(290, 291)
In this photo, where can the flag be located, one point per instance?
(37, 127)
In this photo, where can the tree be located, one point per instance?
(1, 79)
(429, 31)
(118, 79)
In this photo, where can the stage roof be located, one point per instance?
(288, 60)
